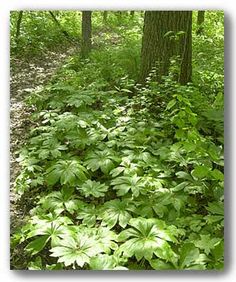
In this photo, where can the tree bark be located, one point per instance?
(18, 27)
(167, 34)
(200, 22)
(86, 33)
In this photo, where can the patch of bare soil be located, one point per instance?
(26, 75)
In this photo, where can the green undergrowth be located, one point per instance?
(122, 181)
(123, 177)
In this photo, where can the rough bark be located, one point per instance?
(86, 34)
(167, 34)
(200, 22)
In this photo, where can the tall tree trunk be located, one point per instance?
(18, 26)
(200, 22)
(163, 39)
(86, 33)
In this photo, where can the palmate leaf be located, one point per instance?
(78, 138)
(139, 155)
(105, 262)
(68, 122)
(146, 238)
(93, 188)
(103, 236)
(105, 160)
(52, 234)
(47, 224)
(67, 172)
(190, 257)
(80, 100)
(116, 211)
(73, 128)
(160, 204)
(77, 249)
(98, 132)
(207, 243)
(126, 167)
(106, 238)
(200, 172)
(49, 149)
(102, 262)
(47, 229)
(124, 184)
(60, 201)
(88, 213)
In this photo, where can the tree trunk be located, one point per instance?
(163, 40)
(86, 33)
(200, 22)
(18, 26)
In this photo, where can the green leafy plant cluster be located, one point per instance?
(124, 182)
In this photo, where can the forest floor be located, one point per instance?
(26, 75)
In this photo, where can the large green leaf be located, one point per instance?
(207, 243)
(58, 202)
(106, 238)
(105, 262)
(116, 211)
(88, 213)
(93, 188)
(80, 99)
(102, 262)
(77, 249)
(146, 238)
(52, 228)
(67, 171)
(124, 184)
(200, 172)
(217, 174)
(190, 257)
(216, 208)
(105, 160)
(37, 244)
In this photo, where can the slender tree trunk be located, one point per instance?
(200, 22)
(163, 39)
(18, 27)
(105, 14)
(59, 26)
(86, 33)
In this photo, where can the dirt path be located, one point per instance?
(25, 77)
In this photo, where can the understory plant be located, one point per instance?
(125, 177)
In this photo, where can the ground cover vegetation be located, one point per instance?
(122, 167)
